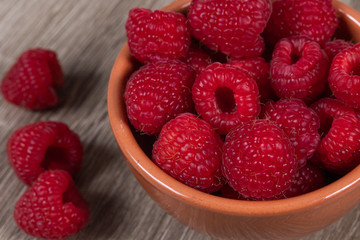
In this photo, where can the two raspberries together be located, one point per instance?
(251, 100)
(44, 155)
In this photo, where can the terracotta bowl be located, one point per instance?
(220, 217)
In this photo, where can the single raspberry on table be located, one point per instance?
(332, 48)
(197, 59)
(33, 79)
(189, 150)
(299, 122)
(225, 96)
(315, 19)
(344, 76)
(259, 69)
(157, 93)
(52, 208)
(230, 26)
(339, 149)
(258, 159)
(44, 145)
(298, 69)
(157, 35)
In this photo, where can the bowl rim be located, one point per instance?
(139, 162)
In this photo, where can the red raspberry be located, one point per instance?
(336, 46)
(157, 93)
(197, 59)
(40, 146)
(298, 68)
(231, 26)
(306, 179)
(315, 19)
(157, 35)
(344, 76)
(52, 208)
(258, 159)
(225, 96)
(300, 123)
(339, 150)
(32, 80)
(259, 70)
(190, 151)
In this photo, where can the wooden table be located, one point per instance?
(87, 35)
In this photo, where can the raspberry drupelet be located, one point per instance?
(189, 150)
(44, 145)
(157, 35)
(225, 96)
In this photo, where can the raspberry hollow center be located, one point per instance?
(56, 158)
(295, 57)
(225, 101)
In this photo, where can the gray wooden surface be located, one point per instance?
(87, 35)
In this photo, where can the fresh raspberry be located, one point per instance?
(259, 70)
(52, 208)
(315, 19)
(31, 82)
(298, 68)
(228, 192)
(306, 179)
(40, 146)
(334, 47)
(225, 96)
(339, 149)
(300, 123)
(258, 159)
(157, 35)
(190, 151)
(197, 59)
(344, 76)
(157, 93)
(231, 26)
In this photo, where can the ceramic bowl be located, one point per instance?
(220, 217)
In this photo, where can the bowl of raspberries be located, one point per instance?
(242, 118)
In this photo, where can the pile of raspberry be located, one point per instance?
(251, 100)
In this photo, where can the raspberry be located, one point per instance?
(228, 192)
(306, 179)
(190, 151)
(336, 46)
(157, 35)
(344, 76)
(258, 159)
(339, 150)
(300, 123)
(32, 80)
(315, 19)
(231, 26)
(40, 146)
(197, 59)
(225, 96)
(52, 208)
(260, 72)
(157, 93)
(298, 68)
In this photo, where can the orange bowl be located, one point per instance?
(220, 217)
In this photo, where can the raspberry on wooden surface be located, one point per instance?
(189, 150)
(258, 160)
(230, 26)
(44, 145)
(33, 80)
(225, 96)
(315, 19)
(344, 76)
(52, 208)
(157, 35)
(298, 69)
(299, 122)
(157, 93)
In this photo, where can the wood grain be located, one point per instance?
(87, 35)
